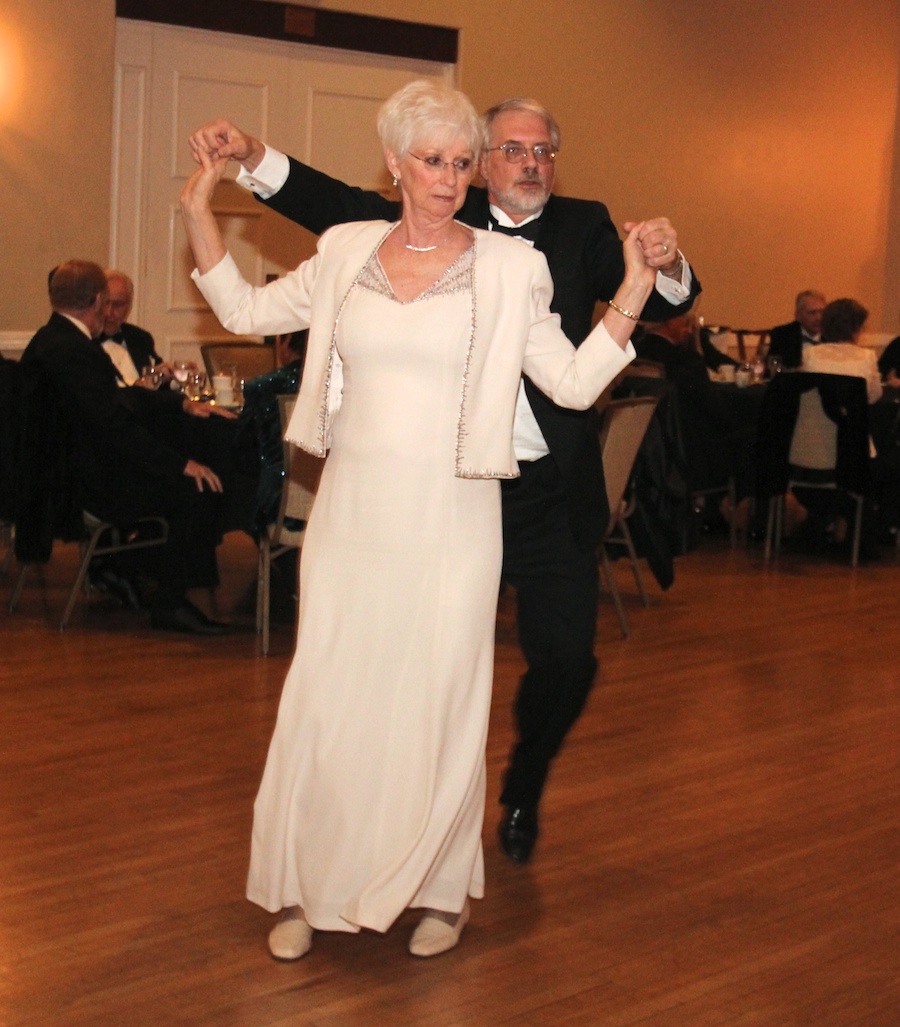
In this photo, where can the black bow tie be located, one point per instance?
(111, 338)
(529, 231)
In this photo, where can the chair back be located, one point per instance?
(302, 471)
(814, 441)
(794, 430)
(643, 368)
(751, 342)
(47, 499)
(624, 425)
(250, 358)
(9, 428)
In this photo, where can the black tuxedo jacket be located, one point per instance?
(587, 264)
(786, 341)
(141, 347)
(112, 429)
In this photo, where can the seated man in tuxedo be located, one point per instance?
(128, 446)
(131, 349)
(789, 341)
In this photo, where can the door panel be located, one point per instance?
(319, 105)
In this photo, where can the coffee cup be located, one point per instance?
(223, 386)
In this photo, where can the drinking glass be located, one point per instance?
(181, 369)
(743, 376)
(196, 387)
(774, 365)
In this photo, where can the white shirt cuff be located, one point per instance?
(674, 290)
(269, 176)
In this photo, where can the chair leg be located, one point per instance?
(87, 556)
(17, 591)
(732, 502)
(259, 585)
(857, 532)
(635, 566)
(266, 596)
(770, 528)
(614, 591)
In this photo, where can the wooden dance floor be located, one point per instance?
(720, 846)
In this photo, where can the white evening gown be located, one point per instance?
(372, 799)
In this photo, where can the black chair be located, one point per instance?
(840, 418)
(661, 524)
(47, 505)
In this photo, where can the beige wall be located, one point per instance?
(767, 131)
(55, 139)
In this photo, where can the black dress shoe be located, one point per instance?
(518, 832)
(186, 618)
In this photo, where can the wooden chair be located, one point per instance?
(624, 425)
(301, 479)
(250, 358)
(642, 368)
(751, 342)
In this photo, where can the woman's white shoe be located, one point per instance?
(435, 934)
(291, 937)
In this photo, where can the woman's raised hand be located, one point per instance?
(202, 228)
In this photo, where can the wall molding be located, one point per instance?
(12, 343)
(296, 24)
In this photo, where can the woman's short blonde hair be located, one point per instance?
(425, 113)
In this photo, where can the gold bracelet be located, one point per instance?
(624, 312)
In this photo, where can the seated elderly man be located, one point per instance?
(790, 341)
(128, 446)
(130, 348)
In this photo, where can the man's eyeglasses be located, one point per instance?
(515, 153)
(463, 165)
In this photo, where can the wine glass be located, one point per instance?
(196, 387)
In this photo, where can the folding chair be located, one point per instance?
(624, 425)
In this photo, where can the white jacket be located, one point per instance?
(513, 332)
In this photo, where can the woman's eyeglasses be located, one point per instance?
(463, 165)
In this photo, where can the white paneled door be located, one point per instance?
(318, 105)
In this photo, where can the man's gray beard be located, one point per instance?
(512, 205)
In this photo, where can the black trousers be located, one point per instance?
(188, 559)
(557, 585)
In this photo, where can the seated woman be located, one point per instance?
(839, 352)
(259, 434)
